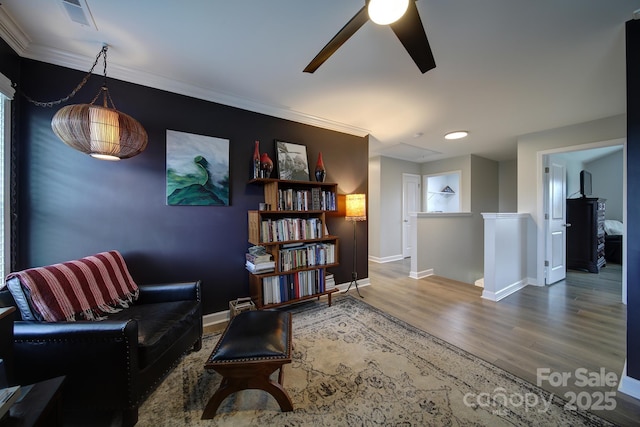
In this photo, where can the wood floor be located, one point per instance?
(577, 323)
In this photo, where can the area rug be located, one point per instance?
(354, 365)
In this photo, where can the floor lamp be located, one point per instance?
(356, 211)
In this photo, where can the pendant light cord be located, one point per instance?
(103, 53)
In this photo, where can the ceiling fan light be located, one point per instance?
(457, 134)
(384, 12)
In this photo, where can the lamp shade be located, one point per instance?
(102, 132)
(384, 12)
(356, 207)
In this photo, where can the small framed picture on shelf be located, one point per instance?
(292, 161)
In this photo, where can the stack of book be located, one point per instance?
(258, 264)
(330, 282)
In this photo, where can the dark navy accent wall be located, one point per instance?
(71, 205)
(9, 62)
(633, 198)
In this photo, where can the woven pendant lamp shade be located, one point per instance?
(102, 132)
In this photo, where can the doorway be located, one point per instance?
(607, 161)
(410, 203)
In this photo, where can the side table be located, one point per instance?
(40, 405)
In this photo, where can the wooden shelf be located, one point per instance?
(306, 298)
(284, 194)
(287, 181)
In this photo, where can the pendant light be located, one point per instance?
(99, 130)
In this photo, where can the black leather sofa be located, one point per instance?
(112, 365)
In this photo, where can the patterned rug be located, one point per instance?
(354, 365)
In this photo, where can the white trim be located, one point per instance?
(383, 260)
(421, 274)
(220, 317)
(5, 170)
(6, 88)
(504, 292)
(82, 63)
(215, 319)
(504, 215)
(12, 34)
(540, 187)
(628, 385)
(533, 282)
(361, 282)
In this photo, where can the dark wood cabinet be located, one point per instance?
(585, 236)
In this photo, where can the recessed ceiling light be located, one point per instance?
(457, 134)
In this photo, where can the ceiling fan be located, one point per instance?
(408, 28)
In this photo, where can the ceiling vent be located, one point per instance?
(78, 12)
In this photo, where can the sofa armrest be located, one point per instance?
(104, 354)
(167, 292)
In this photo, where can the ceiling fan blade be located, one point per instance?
(338, 40)
(410, 31)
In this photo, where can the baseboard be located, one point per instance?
(385, 259)
(220, 317)
(503, 293)
(214, 319)
(534, 282)
(479, 283)
(361, 282)
(628, 385)
(421, 274)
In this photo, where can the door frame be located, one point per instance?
(541, 194)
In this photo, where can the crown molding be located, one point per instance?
(20, 42)
(12, 34)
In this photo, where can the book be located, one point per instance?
(330, 282)
(263, 267)
(257, 259)
(257, 250)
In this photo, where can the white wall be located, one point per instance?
(505, 254)
(373, 206)
(508, 186)
(531, 147)
(448, 245)
(608, 182)
(484, 186)
(387, 173)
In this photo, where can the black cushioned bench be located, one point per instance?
(253, 346)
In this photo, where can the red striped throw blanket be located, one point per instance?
(83, 289)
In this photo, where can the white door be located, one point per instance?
(556, 220)
(410, 203)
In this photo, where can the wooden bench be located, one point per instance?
(253, 346)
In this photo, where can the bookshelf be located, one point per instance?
(294, 232)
